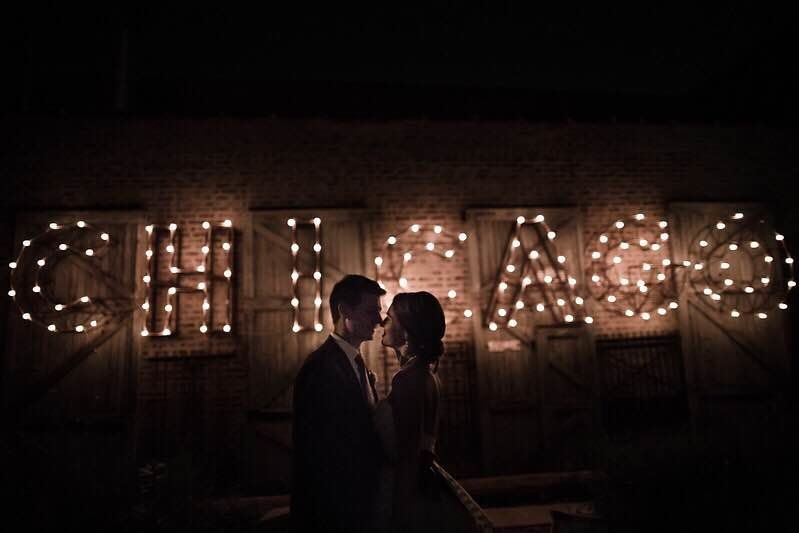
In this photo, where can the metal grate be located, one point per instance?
(642, 382)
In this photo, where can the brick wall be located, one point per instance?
(186, 171)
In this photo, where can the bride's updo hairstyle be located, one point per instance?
(421, 316)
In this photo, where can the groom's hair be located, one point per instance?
(349, 290)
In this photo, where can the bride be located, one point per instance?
(415, 493)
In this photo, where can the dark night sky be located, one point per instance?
(646, 64)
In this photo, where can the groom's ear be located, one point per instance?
(344, 310)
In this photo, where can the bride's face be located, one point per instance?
(393, 332)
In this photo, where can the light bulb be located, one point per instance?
(765, 281)
(611, 298)
(84, 299)
(378, 261)
(782, 306)
(526, 281)
(569, 318)
(561, 302)
(588, 320)
(228, 273)
(503, 286)
(449, 254)
(512, 323)
(403, 283)
(572, 281)
(201, 286)
(79, 328)
(754, 244)
(392, 240)
(703, 243)
(728, 282)
(674, 305)
(768, 259)
(789, 260)
(791, 284)
(26, 316)
(168, 308)
(206, 305)
(317, 247)
(510, 268)
(174, 269)
(144, 332)
(492, 326)
(90, 252)
(407, 256)
(172, 290)
(200, 268)
(662, 311)
(534, 255)
(62, 247)
(51, 327)
(624, 245)
(707, 291)
(437, 229)
(462, 237)
(617, 259)
(291, 222)
(686, 263)
(317, 221)
(603, 239)
(170, 248)
(643, 243)
(595, 278)
(665, 262)
(53, 225)
(36, 288)
(295, 328)
(145, 305)
(643, 288)
(452, 294)
(148, 253)
(619, 224)
(762, 316)
(226, 328)
(26, 242)
(206, 224)
(12, 293)
(520, 220)
(317, 301)
(699, 266)
(639, 216)
(720, 225)
(502, 312)
(316, 275)
(547, 279)
(578, 300)
(551, 235)
(205, 249)
(749, 290)
(12, 265)
(661, 277)
(540, 308)
(467, 313)
(645, 316)
(738, 216)
(104, 236)
(595, 255)
(538, 219)
(295, 248)
(646, 267)
(663, 224)
(203, 329)
(724, 265)
(166, 332)
(519, 304)
(58, 307)
(734, 313)
(664, 236)
(40, 262)
(629, 312)
(515, 243)
(148, 228)
(415, 228)
(733, 247)
(779, 237)
(715, 297)
(430, 246)
(561, 259)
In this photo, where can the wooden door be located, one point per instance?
(514, 356)
(276, 351)
(69, 395)
(737, 365)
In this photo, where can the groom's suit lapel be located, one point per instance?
(344, 366)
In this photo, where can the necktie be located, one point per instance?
(367, 396)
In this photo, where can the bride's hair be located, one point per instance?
(422, 317)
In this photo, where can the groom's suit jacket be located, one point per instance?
(336, 450)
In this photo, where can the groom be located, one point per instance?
(336, 449)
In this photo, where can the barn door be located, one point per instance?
(69, 372)
(276, 350)
(529, 333)
(736, 360)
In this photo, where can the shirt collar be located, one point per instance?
(348, 348)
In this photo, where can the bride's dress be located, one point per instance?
(407, 423)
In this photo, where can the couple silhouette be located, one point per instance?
(362, 463)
